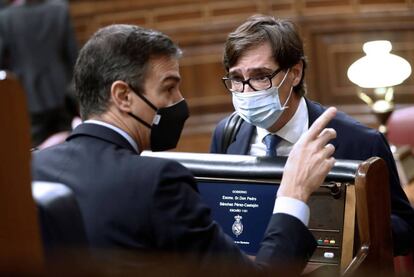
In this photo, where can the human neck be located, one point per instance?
(120, 122)
(287, 114)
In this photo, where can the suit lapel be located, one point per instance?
(242, 142)
(314, 111)
(101, 132)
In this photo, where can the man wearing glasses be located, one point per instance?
(265, 65)
(127, 80)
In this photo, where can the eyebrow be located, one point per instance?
(171, 78)
(253, 70)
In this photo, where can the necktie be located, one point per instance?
(271, 142)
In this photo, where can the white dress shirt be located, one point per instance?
(116, 129)
(290, 134)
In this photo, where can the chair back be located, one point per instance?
(350, 212)
(21, 249)
(60, 217)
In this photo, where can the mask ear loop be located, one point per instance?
(290, 93)
(287, 100)
(284, 78)
(145, 100)
(156, 119)
(140, 120)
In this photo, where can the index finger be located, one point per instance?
(321, 123)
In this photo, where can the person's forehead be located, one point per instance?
(164, 68)
(256, 58)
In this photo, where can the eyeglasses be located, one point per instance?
(256, 83)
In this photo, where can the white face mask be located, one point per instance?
(260, 108)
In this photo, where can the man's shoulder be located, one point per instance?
(347, 123)
(49, 151)
(119, 157)
(355, 140)
(342, 122)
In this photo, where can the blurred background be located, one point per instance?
(333, 32)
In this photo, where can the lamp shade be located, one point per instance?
(379, 68)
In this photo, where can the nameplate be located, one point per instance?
(243, 210)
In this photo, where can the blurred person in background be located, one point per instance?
(37, 43)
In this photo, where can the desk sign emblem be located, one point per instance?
(237, 227)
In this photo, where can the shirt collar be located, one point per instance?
(116, 129)
(294, 128)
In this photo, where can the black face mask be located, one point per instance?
(167, 124)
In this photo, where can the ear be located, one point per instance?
(121, 95)
(297, 71)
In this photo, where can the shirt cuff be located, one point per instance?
(293, 207)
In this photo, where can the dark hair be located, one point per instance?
(287, 46)
(116, 52)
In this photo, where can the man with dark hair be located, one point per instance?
(266, 65)
(127, 80)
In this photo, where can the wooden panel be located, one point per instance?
(204, 87)
(333, 32)
(326, 3)
(373, 219)
(169, 15)
(231, 8)
(196, 136)
(323, 7)
(381, 1)
(338, 44)
(194, 143)
(281, 6)
(349, 227)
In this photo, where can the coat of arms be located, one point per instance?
(237, 227)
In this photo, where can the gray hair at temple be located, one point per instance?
(287, 46)
(116, 52)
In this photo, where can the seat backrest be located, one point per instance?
(21, 248)
(60, 217)
(400, 127)
(350, 215)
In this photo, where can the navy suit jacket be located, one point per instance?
(354, 142)
(150, 204)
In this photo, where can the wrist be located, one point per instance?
(294, 192)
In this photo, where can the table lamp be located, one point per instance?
(380, 71)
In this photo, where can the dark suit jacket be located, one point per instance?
(151, 204)
(37, 43)
(354, 142)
